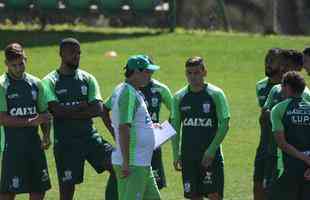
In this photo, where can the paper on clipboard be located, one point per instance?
(163, 134)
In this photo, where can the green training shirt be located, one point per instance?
(156, 93)
(196, 115)
(21, 98)
(292, 116)
(70, 90)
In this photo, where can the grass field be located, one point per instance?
(235, 63)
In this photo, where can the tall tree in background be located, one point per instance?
(286, 13)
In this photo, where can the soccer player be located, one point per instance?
(290, 125)
(155, 94)
(273, 71)
(201, 110)
(292, 61)
(22, 110)
(134, 135)
(74, 98)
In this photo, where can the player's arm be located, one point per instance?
(278, 130)
(105, 116)
(12, 121)
(127, 108)
(43, 108)
(175, 141)
(265, 112)
(223, 115)
(167, 98)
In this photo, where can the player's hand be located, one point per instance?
(177, 165)
(125, 170)
(307, 174)
(46, 142)
(207, 161)
(157, 125)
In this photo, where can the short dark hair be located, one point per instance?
(306, 51)
(294, 57)
(68, 42)
(272, 54)
(295, 80)
(14, 51)
(195, 62)
(128, 72)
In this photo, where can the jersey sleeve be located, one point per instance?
(42, 103)
(108, 103)
(167, 97)
(127, 106)
(176, 123)
(49, 89)
(94, 93)
(222, 107)
(3, 103)
(269, 101)
(277, 114)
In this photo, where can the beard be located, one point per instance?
(73, 66)
(272, 72)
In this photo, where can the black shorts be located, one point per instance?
(198, 181)
(70, 158)
(158, 169)
(290, 186)
(265, 170)
(24, 168)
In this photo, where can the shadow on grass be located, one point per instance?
(46, 38)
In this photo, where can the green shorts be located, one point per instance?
(70, 158)
(139, 185)
(24, 167)
(198, 181)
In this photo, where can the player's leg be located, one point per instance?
(99, 153)
(258, 178)
(40, 180)
(7, 196)
(151, 190)
(133, 186)
(70, 168)
(212, 181)
(36, 196)
(158, 169)
(191, 176)
(111, 189)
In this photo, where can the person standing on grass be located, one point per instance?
(74, 98)
(273, 71)
(291, 127)
(22, 111)
(202, 114)
(134, 135)
(155, 93)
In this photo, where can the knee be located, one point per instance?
(214, 196)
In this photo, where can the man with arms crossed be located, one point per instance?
(291, 128)
(74, 98)
(201, 109)
(134, 134)
(22, 110)
(273, 71)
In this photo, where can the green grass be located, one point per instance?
(235, 63)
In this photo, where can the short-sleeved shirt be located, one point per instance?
(128, 107)
(198, 113)
(21, 98)
(292, 117)
(156, 93)
(263, 88)
(70, 90)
